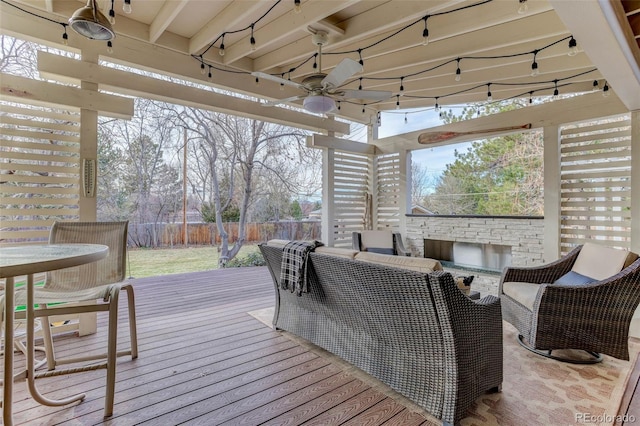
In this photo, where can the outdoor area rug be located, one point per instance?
(535, 390)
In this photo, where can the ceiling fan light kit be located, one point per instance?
(91, 23)
(319, 104)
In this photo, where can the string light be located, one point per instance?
(360, 61)
(209, 75)
(524, 8)
(458, 71)
(401, 86)
(605, 90)
(360, 84)
(405, 118)
(202, 70)
(65, 36)
(489, 96)
(596, 86)
(257, 81)
(109, 47)
(126, 6)
(436, 107)
(573, 47)
(221, 51)
(397, 101)
(339, 108)
(297, 8)
(534, 65)
(315, 61)
(530, 98)
(252, 40)
(425, 32)
(556, 92)
(112, 14)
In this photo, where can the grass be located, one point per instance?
(153, 262)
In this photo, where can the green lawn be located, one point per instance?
(151, 262)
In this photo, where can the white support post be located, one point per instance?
(635, 181)
(405, 188)
(328, 195)
(552, 196)
(88, 206)
(372, 135)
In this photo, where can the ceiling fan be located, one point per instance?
(323, 89)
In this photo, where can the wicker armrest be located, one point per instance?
(547, 273)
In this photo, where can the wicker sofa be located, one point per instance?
(415, 331)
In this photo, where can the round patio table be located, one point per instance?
(28, 260)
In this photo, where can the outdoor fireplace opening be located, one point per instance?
(480, 256)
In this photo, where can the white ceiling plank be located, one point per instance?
(600, 35)
(167, 14)
(151, 88)
(281, 27)
(36, 92)
(230, 17)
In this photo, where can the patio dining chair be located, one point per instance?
(94, 287)
(585, 301)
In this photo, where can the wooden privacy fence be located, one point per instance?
(170, 234)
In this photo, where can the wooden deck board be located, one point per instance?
(205, 360)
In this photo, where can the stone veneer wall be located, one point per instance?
(524, 234)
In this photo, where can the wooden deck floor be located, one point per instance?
(205, 361)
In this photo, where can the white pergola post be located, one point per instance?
(635, 181)
(404, 206)
(88, 144)
(552, 195)
(328, 195)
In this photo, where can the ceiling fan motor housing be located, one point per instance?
(320, 38)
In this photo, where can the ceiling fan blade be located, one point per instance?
(370, 95)
(282, 101)
(345, 69)
(277, 79)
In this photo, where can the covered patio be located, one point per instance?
(250, 58)
(207, 360)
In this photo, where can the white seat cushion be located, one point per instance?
(337, 251)
(599, 262)
(523, 293)
(377, 239)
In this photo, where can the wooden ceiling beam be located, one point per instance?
(230, 17)
(164, 18)
(284, 25)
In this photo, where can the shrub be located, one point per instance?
(251, 259)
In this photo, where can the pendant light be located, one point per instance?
(91, 23)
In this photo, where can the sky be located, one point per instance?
(434, 159)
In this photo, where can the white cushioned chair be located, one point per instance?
(383, 242)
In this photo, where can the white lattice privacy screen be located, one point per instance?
(388, 191)
(596, 182)
(351, 184)
(39, 170)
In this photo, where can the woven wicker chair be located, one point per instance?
(594, 317)
(99, 284)
(385, 242)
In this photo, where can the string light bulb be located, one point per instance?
(360, 61)
(339, 107)
(252, 40)
(530, 98)
(401, 86)
(202, 69)
(257, 81)
(297, 7)
(605, 90)
(534, 65)
(65, 37)
(315, 61)
(405, 118)
(221, 51)
(556, 92)
(360, 84)
(489, 95)
(112, 14)
(209, 75)
(397, 101)
(573, 47)
(425, 32)
(126, 6)
(524, 7)
(109, 47)
(596, 86)
(436, 107)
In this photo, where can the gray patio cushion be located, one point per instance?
(523, 293)
(574, 278)
(419, 264)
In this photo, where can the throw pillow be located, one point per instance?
(574, 278)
